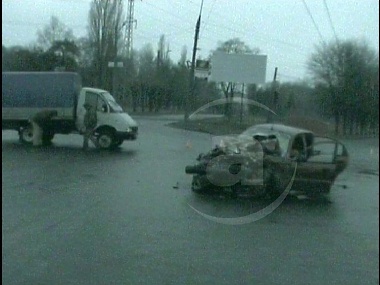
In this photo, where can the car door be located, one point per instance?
(315, 158)
(298, 154)
(322, 166)
(341, 158)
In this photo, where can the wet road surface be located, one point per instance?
(123, 217)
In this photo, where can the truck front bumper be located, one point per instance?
(130, 135)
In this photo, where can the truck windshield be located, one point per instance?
(115, 107)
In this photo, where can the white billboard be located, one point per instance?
(238, 68)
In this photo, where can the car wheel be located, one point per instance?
(26, 134)
(322, 192)
(199, 184)
(105, 140)
(273, 186)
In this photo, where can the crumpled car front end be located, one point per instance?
(232, 163)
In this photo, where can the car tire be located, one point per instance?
(273, 186)
(199, 184)
(324, 191)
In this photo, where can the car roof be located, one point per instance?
(269, 128)
(95, 90)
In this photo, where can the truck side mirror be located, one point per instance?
(104, 108)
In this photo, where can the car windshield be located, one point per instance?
(261, 135)
(284, 141)
(115, 107)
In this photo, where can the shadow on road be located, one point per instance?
(66, 151)
(226, 206)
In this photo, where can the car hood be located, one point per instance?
(238, 144)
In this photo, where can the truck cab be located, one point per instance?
(114, 124)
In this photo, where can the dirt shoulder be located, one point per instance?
(224, 126)
(214, 126)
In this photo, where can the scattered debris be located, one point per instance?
(369, 172)
(188, 144)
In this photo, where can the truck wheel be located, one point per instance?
(117, 142)
(105, 140)
(26, 134)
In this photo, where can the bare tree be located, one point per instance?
(68, 51)
(182, 60)
(146, 74)
(105, 30)
(344, 73)
(53, 32)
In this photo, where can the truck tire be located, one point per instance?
(105, 139)
(117, 142)
(26, 134)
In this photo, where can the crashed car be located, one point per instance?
(266, 158)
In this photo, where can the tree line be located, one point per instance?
(344, 85)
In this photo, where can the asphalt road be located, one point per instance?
(123, 217)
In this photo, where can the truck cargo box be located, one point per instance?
(39, 89)
(26, 93)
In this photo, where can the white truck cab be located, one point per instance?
(114, 125)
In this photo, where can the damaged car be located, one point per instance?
(266, 158)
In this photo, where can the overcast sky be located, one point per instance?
(282, 29)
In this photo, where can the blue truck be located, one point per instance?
(26, 93)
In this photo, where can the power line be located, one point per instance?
(208, 17)
(330, 20)
(36, 24)
(183, 28)
(312, 18)
(262, 39)
(168, 12)
(288, 76)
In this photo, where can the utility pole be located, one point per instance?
(114, 71)
(129, 27)
(190, 97)
(275, 97)
(241, 104)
